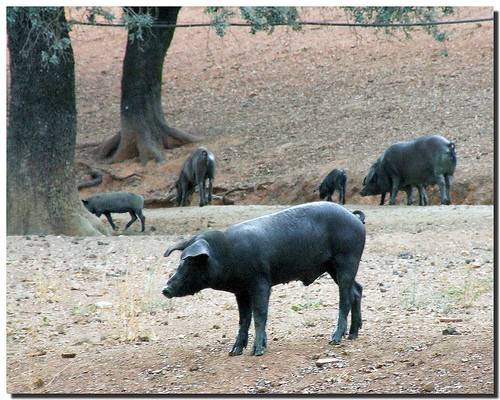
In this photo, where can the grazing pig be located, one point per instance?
(335, 180)
(297, 244)
(424, 161)
(117, 202)
(199, 167)
(377, 182)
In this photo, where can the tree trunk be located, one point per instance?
(144, 130)
(41, 189)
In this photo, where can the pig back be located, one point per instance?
(296, 243)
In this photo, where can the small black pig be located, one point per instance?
(297, 244)
(335, 180)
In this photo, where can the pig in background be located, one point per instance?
(299, 243)
(427, 160)
(335, 180)
(117, 202)
(197, 169)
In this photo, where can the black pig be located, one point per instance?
(426, 160)
(297, 244)
(197, 169)
(377, 181)
(335, 180)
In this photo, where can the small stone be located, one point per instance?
(99, 243)
(194, 368)
(475, 264)
(262, 389)
(428, 387)
(383, 290)
(324, 361)
(406, 255)
(68, 355)
(450, 331)
(448, 319)
(216, 326)
(103, 304)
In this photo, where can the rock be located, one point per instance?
(103, 304)
(99, 243)
(68, 355)
(320, 362)
(428, 387)
(194, 368)
(75, 286)
(406, 255)
(38, 353)
(262, 389)
(216, 326)
(450, 331)
(445, 319)
(475, 264)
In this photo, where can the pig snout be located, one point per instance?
(167, 292)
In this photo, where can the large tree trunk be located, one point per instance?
(144, 130)
(41, 190)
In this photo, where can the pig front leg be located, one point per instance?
(260, 304)
(245, 311)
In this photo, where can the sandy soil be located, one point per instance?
(98, 301)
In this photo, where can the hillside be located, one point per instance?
(283, 109)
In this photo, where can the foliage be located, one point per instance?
(402, 15)
(42, 27)
(137, 22)
(259, 18)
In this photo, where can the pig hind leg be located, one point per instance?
(356, 321)
(442, 190)
(142, 218)
(447, 181)
(134, 218)
(245, 311)
(343, 274)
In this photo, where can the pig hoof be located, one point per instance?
(236, 351)
(258, 351)
(335, 342)
(352, 336)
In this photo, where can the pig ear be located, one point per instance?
(178, 246)
(198, 248)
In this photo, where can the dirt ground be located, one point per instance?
(424, 270)
(284, 109)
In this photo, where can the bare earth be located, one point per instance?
(100, 299)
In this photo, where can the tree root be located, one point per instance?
(98, 174)
(144, 144)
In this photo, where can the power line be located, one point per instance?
(301, 23)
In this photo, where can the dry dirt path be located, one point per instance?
(98, 302)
